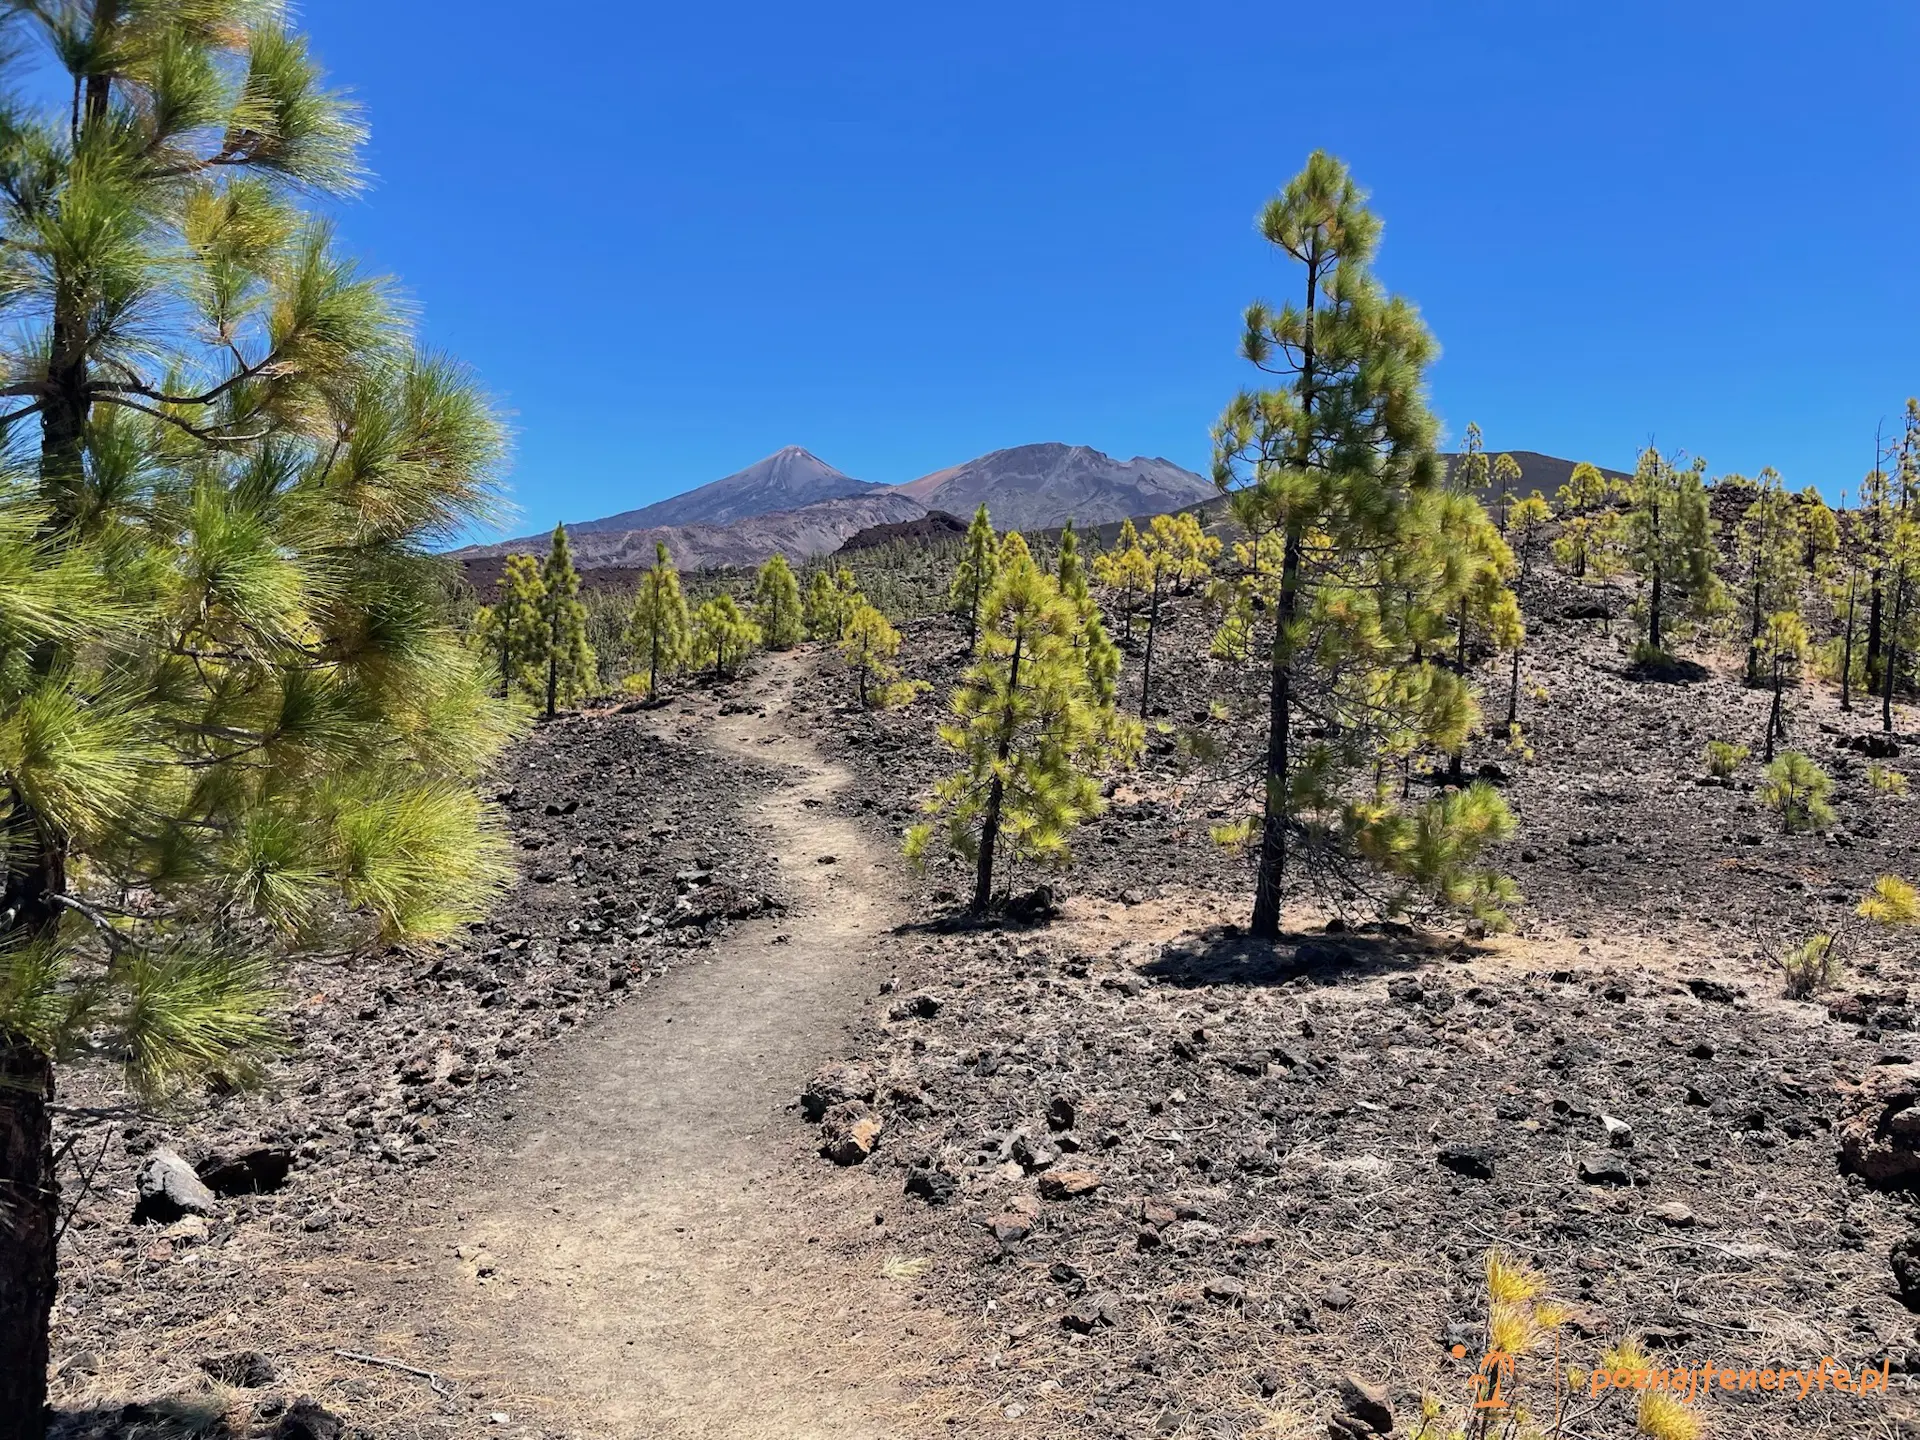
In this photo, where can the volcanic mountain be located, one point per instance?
(786, 480)
(1038, 487)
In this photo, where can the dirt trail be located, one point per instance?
(663, 1268)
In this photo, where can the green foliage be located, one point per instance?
(1438, 848)
(659, 632)
(1592, 535)
(974, 575)
(869, 648)
(1176, 553)
(1331, 474)
(509, 631)
(1527, 523)
(833, 596)
(1796, 789)
(1769, 545)
(235, 719)
(1810, 967)
(1885, 780)
(1126, 573)
(567, 658)
(723, 638)
(1724, 758)
(1670, 547)
(1892, 902)
(776, 605)
(1030, 732)
(1098, 653)
(1777, 652)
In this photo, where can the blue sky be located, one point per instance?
(673, 238)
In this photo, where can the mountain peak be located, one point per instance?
(788, 479)
(1039, 486)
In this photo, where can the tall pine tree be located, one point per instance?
(1097, 650)
(1768, 549)
(1178, 555)
(234, 711)
(1330, 462)
(973, 577)
(660, 630)
(571, 670)
(776, 605)
(1671, 549)
(508, 631)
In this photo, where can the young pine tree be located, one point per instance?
(571, 670)
(235, 716)
(1127, 574)
(1097, 651)
(1671, 549)
(659, 631)
(869, 648)
(973, 577)
(1506, 475)
(1796, 789)
(1777, 652)
(1030, 732)
(723, 638)
(1769, 546)
(776, 605)
(509, 632)
(1179, 554)
(1331, 464)
(1527, 524)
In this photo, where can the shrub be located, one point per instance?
(1724, 757)
(1811, 966)
(1886, 780)
(1797, 789)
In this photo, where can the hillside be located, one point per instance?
(1545, 473)
(1037, 487)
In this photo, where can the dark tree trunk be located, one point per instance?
(1513, 693)
(29, 1204)
(1653, 604)
(1846, 654)
(1874, 617)
(1890, 661)
(996, 796)
(1274, 816)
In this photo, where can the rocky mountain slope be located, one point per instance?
(1038, 487)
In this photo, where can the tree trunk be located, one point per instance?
(1653, 603)
(1274, 816)
(29, 1204)
(1874, 629)
(996, 794)
(653, 661)
(1513, 693)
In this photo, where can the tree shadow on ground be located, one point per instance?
(1228, 955)
(182, 1417)
(1667, 670)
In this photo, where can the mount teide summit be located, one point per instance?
(786, 480)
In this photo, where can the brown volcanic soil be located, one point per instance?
(1266, 1124)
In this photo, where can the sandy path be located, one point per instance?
(657, 1267)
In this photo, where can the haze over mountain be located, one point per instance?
(786, 480)
(1038, 487)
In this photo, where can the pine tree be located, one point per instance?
(508, 631)
(1506, 475)
(1179, 554)
(1797, 789)
(869, 648)
(1332, 464)
(1670, 546)
(1509, 638)
(1846, 584)
(1097, 651)
(776, 605)
(1527, 523)
(1902, 579)
(1819, 531)
(659, 630)
(235, 716)
(1029, 731)
(723, 638)
(1768, 549)
(1584, 500)
(974, 576)
(571, 670)
(832, 598)
(1126, 571)
(1776, 655)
